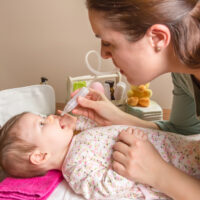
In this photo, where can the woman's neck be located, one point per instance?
(175, 65)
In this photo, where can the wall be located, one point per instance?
(50, 38)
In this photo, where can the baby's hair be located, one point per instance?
(15, 152)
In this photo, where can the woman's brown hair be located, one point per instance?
(134, 17)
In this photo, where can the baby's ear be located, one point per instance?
(38, 158)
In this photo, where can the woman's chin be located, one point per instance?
(131, 81)
(135, 82)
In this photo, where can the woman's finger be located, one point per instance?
(58, 112)
(78, 110)
(84, 112)
(96, 95)
(86, 103)
(75, 92)
(92, 115)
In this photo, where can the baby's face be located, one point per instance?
(50, 134)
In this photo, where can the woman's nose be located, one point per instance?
(105, 53)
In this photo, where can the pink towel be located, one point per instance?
(36, 188)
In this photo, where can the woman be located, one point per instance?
(146, 39)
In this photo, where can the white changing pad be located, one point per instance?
(34, 98)
(64, 192)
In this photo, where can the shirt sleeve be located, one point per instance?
(183, 118)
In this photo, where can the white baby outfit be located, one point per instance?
(87, 167)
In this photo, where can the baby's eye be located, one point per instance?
(42, 123)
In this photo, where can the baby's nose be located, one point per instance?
(50, 119)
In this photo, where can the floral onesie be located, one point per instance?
(87, 167)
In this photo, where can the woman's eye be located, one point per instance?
(106, 44)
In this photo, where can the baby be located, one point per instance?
(30, 145)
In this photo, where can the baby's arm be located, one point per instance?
(101, 183)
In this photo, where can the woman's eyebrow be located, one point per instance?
(99, 37)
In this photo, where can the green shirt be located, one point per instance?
(185, 112)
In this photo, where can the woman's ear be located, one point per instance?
(159, 36)
(38, 158)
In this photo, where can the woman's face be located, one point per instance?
(138, 61)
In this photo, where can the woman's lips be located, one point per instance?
(121, 71)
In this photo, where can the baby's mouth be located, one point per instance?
(62, 126)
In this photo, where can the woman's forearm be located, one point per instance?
(177, 184)
(128, 119)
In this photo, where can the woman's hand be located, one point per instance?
(98, 108)
(135, 158)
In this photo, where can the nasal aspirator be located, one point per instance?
(72, 103)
